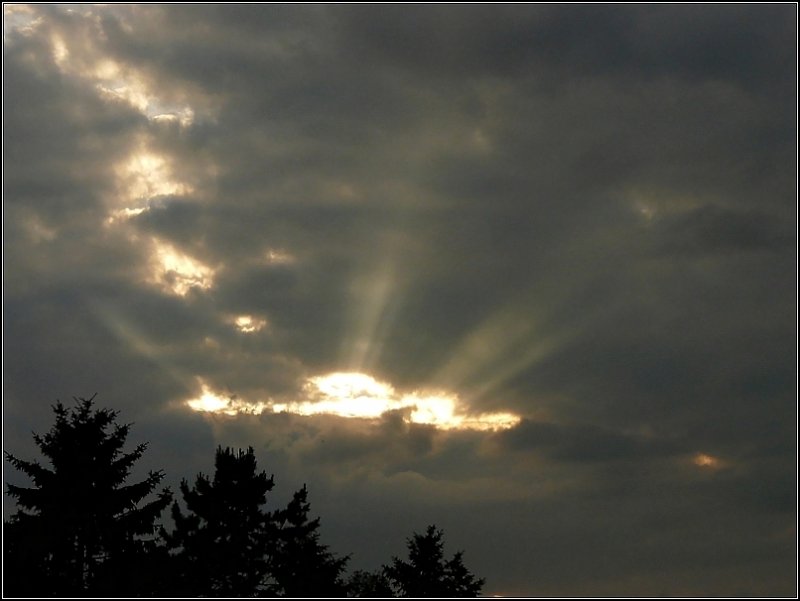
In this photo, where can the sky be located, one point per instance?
(526, 272)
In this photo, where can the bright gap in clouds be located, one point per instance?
(357, 395)
(145, 174)
(117, 82)
(248, 324)
(212, 402)
(175, 272)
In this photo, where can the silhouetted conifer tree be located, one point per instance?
(369, 584)
(80, 530)
(427, 574)
(303, 567)
(223, 545)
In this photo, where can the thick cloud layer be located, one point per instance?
(581, 215)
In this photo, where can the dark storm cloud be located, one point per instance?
(582, 444)
(710, 229)
(585, 215)
(744, 43)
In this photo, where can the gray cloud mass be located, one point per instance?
(584, 215)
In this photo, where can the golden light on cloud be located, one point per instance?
(247, 324)
(212, 402)
(176, 272)
(125, 214)
(19, 18)
(184, 116)
(344, 394)
(116, 82)
(358, 395)
(277, 256)
(60, 52)
(145, 174)
(443, 411)
(707, 461)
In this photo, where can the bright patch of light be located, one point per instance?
(145, 174)
(106, 69)
(344, 394)
(436, 410)
(176, 272)
(275, 256)
(60, 52)
(115, 81)
(707, 461)
(19, 18)
(359, 395)
(184, 116)
(442, 411)
(247, 324)
(131, 93)
(213, 402)
(210, 402)
(350, 385)
(125, 214)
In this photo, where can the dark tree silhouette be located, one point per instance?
(428, 574)
(223, 545)
(369, 584)
(303, 567)
(79, 529)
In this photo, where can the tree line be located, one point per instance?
(82, 530)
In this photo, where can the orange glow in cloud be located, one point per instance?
(706, 461)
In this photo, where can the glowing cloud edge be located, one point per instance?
(359, 396)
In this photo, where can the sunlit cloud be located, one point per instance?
(145, 174)
(652, 204)
(125, 214)
(707, 461)
(183, 116)
(344, 394)
(176, 272)
(142, 178)
(38, 231)
(19, 18)
(213, 402)
(445, 411)
(248, 324)
(116, 82)
(358, 395)
(60, 52)
(277, 256)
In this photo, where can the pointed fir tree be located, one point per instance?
(80, 530)
(223, 544)
(304, 567)
(428, 574)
